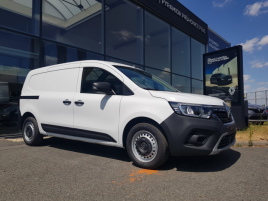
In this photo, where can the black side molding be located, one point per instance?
(77, 132)
(29, 97)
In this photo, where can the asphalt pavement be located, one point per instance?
(61, 169)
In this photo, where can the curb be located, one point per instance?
(252, 143)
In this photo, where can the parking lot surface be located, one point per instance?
(68, 170)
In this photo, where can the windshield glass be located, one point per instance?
(146, 80)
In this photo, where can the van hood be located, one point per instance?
(187, 98)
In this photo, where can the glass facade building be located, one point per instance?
(37, 33)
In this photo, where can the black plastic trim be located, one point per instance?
(29, 97)
(77, 132)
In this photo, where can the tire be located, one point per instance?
(146, 145)
(30, 132)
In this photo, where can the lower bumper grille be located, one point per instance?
(223, 116)
(227, 140)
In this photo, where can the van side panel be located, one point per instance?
(31, 92)
(36, 83)
(56, 100)
(142, 105)
(61, 80)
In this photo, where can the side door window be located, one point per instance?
(91, 75)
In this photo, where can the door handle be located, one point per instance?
(67, 102)
(79, 103)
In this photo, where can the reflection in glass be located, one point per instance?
(166, 76)
(17, 14)
(16, 43)
(180, 53)
(92, 56)
(56, 54)
(50, 56)
(74, 22)
(181, 83)
(18, 55)
(157, 40)
(124, 62)
(197, 87)
(124, 31)
(197, 51)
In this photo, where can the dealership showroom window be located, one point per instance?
(37, 33)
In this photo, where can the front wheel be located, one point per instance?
(30, 132)
(147, 146)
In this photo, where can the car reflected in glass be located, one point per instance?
(8, 113)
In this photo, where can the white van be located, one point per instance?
(119, 105)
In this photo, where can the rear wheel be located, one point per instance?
(30, 132)
(147, 146)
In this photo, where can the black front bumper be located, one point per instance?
(196, 136)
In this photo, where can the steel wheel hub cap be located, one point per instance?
(144, 146)
(29, 131)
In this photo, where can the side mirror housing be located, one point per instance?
(103, 87)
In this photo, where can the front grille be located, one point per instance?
(258, 117)
(226, 140)
(257, 110)
(223, 116)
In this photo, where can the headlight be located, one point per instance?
(228, 110)
(202, 111)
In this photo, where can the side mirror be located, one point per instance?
(103, 87)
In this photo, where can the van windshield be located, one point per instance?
(146, 80)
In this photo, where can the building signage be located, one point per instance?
(222, 71)
(182, 15)
(216, 42)
(178, 15)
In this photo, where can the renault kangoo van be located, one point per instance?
(123, 106)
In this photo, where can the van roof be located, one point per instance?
(70, 64)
